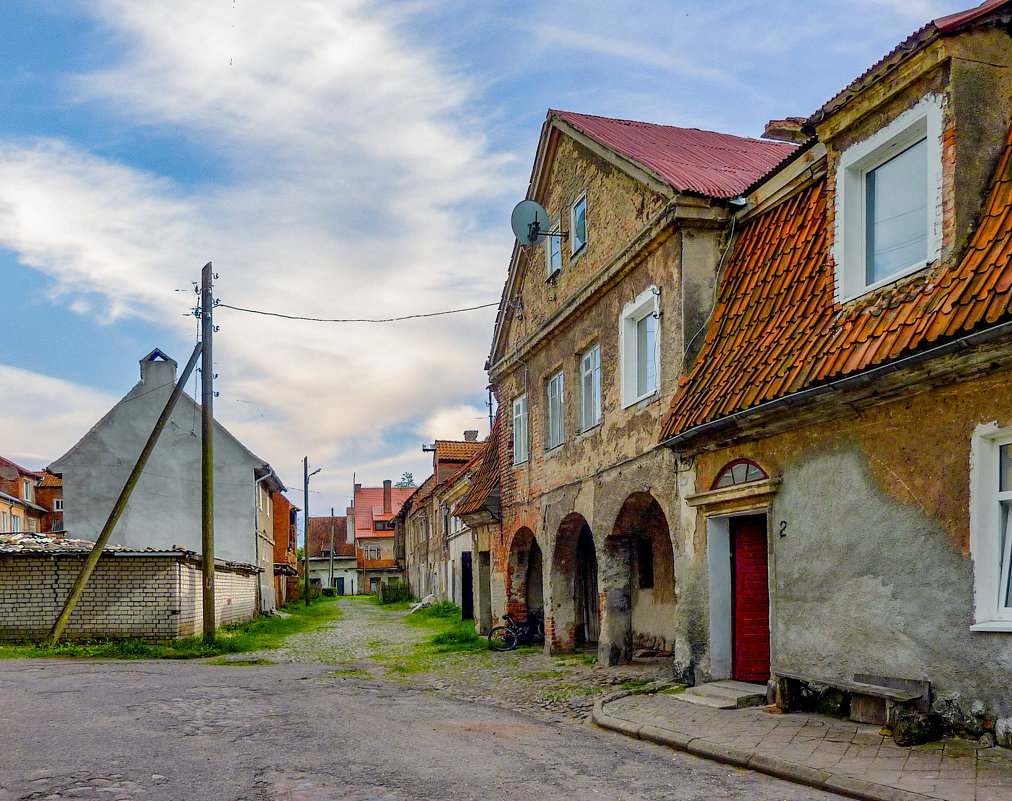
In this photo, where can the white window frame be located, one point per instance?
(555, 411)
(922, 121)
(590, 388)
(553, 247)
(3, 522)
(575, 248)
(15, 523)
(27, 489)
(646, 303)
(521, 440)
(990, 566)
(57, 504)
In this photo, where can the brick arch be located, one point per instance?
(575, 607)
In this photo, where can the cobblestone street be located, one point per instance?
(378, 642)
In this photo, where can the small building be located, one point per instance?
(49, 495)
(150, 593)
(332, 558)
(19, 510)
(286, 550)
(164, 509)
(371, 518)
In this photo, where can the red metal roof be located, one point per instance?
(689, 160)
(319, 536)
(777, 328)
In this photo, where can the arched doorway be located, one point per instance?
(639, 575)
(524, 585)
(576, 616)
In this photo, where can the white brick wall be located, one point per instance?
(158, 597)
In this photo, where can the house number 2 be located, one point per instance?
(783, 529)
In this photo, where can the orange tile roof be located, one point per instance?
(484, 474)
(368, 499)
(50, 480)
(454, 451)
(777, 328)
(319, 536)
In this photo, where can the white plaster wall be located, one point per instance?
(164, 510)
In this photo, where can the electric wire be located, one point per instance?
(355, 320)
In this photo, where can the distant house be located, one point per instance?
(19, 510)
(329, 545)
(286, 571)
(371, 518)
(164, 509)
(49, 495)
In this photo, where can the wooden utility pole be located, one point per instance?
(305, 517)
(117, 510)
(332, 547)
(207, 452)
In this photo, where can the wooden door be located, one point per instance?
(466, 587)
(751, 599)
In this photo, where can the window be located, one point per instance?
(578, 225)
(991, 527)
(555, 433)
(15, 523)
(520, 442)
(57, 504)
(640, 347)
(26, 491)
(553, 252)
(590, 388)
(889, 202)
(3, 522)
(740, 471)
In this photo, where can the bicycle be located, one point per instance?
(509, 636)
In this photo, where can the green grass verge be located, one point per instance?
(259, 634)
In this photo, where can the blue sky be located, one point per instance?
(332, 158)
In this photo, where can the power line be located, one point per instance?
(354, 320)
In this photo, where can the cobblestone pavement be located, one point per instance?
(822, 751)
(377, 642)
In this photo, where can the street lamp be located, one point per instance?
(305, 505)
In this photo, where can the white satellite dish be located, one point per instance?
(530, 222)
(8, 473)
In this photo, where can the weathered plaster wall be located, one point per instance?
(164, 509)
(872, 573)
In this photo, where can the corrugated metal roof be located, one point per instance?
(777, 328)
(319, 536)
(688, 159)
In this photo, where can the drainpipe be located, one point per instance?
(256, 531)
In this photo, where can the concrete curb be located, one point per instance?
(850, 786)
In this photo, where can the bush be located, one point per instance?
(444, 609)
(329, 592)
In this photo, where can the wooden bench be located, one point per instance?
(873, 699)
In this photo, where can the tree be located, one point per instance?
(407, 480)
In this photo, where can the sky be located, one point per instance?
(333, 159)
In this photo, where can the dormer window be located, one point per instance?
(578, 225)
(889, 202)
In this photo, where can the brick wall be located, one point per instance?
(157, 597)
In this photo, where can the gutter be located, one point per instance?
(795, 399)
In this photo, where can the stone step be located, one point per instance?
(725, 694)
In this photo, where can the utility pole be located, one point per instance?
(207, 452)
(331, 546)
(490, 409)
(305, 490)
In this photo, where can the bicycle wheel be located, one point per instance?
(502, 639)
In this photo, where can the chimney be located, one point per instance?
(349, 525)
(387, 499)
(157, 369)
(470, 436)
(788, 130)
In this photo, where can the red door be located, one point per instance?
(751, 600)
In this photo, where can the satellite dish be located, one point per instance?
(530, 222)
(8, 473)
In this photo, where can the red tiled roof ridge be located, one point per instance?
(942, 26)
(777, 328)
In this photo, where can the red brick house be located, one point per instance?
(19, 509)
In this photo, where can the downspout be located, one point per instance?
(256, 532)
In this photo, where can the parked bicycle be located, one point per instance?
(514, 633)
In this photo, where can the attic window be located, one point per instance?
(578, 225)
(889, 202)
(553, 253)
(740, 471)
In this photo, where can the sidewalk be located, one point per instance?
(853, 759)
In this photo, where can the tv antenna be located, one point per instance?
(530, 223)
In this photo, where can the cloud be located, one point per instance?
(69, 411)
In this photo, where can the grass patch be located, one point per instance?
(678, 688)
(259, 634)
(223, 660)
(632, 684)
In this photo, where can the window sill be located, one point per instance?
(554, 449)
(574, 256)
(589, 431)
(643, 402)
(892, 279)
(993, 625)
